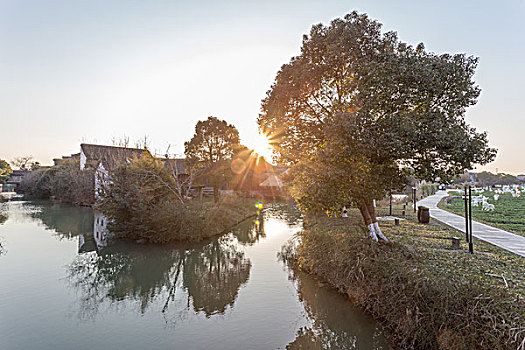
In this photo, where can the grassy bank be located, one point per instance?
(509, 212)
(170, 221)
(426, 295)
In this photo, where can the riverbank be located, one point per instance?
(426, 295)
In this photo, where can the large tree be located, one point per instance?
(358, 110)
(211, 148)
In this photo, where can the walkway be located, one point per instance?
(495, 236)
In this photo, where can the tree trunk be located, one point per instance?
(368, 212)
(367, 218)
(215, 193)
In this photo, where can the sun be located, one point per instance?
(261, 145)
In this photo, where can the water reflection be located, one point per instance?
(330, 327)
(67, 221)
(3, 219)
(138, 289)
(123, 271)
(287, 212)
(250, 232)
(213, 274)
(210, 274)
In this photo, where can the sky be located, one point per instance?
(93, 71)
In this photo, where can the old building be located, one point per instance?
(103, 159)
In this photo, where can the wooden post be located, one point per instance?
(414, 197)
(390, 203)
(470, 243)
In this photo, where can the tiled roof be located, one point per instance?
(110, 156)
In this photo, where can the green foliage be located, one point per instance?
(426, 295)
(141, 203)
(509, 213)
(342, 171)
(361, 102)
(64, 182)
(5, 171)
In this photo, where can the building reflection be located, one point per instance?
(205, 277)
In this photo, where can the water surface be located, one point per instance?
(63, 285)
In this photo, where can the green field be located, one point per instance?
(509, 212)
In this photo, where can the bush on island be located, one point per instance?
(142, 201)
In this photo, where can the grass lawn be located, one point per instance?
(509, 212)
(489, 263)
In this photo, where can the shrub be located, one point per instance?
(64, 182)
(142, 203)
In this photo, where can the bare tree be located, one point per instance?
(23, 162)
(120, 142)
(183, 179)
(142, 143)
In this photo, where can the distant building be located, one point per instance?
(16, 177)
(177, 166)
(7, 188)
(103, 159)
(521, 177)
(57, 161)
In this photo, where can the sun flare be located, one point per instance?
(261, 146)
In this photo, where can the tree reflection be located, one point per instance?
(65, 220)
(286, 211)
(3, 219)
(336, 323)
(250, 231)
(214, 273)
(210, 274)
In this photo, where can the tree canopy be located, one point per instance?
(211, 148)
(214, 140)
(5, 171)
(358, 110)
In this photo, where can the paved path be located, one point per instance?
(495, 236)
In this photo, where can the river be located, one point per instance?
(63, 286)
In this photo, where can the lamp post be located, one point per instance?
(466, 215)
(470, 243)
